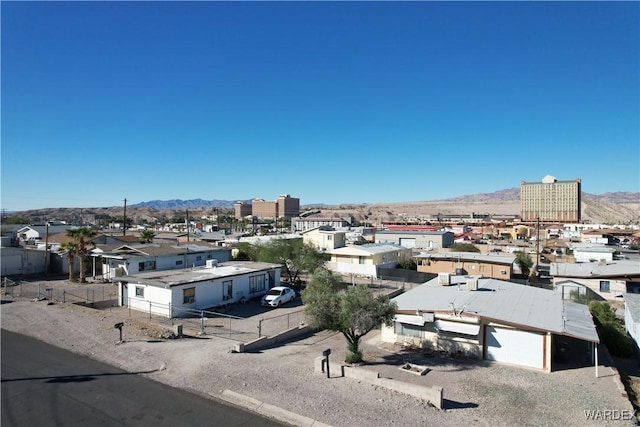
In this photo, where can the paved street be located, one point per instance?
(46, 385)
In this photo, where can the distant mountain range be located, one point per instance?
(510, 194)
(187, 204)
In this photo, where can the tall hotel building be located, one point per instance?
(550, 201)
(284, 206)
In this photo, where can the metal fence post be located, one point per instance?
(202, 322)
(149, 310)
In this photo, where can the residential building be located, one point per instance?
(310, 222)
(495, 266)
(111, 262)
(429, 240)
(365, 260)
(550, 201)
(493, 320)
(325, 238)
(606, 280)
(33, 233)
(632, 316)
(181, 293)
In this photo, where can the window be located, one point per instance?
(256, 284)
(408, 330)
(362, 260)
(189, 296)
(147, 266)
(199, 258)
(140, 291)
(227, 289)
(605, 286)
(179, 262)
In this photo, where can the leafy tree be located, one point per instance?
(524, 261)
(407, 262)
(294, 255)
(247, 252)
(15, 219)
(82, 238)
(71, 249)
(354, 311)
(147, 236)
(463, 247)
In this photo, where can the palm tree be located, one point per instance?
(71, 249)
(82, 237)
(146, 236)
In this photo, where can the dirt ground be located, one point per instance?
(475, 391)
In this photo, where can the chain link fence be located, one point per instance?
(42, 290)
(238, 322)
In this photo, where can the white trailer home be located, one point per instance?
(176, 293)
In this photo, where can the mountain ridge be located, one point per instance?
(509, 194)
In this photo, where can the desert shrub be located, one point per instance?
(611, 331)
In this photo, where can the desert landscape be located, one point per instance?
(609, 208)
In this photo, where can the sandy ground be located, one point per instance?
(475, 392)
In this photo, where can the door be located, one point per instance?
(515, 346)
(408, 243)
(124, 294)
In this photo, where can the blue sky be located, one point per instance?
(330, 102)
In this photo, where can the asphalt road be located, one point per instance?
(46, 385)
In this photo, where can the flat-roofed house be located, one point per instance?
(496, 266)
(325, 238)
(365, 260)
(179, 293)
(132, 259)
(428, 240)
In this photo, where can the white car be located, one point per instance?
(277, 296)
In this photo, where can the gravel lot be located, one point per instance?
(475, 392)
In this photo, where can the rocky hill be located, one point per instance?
(607, 208)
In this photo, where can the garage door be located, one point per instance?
(408, 243)
(516, 347)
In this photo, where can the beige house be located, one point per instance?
(325, 238)
(608, 280)
(365, 260)
(495, 266)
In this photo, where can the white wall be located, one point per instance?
(208, 294)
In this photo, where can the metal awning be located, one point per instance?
(457, 327)
(409, 320)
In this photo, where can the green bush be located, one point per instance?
(612, 333)
(602, 312)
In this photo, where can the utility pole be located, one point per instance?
(124, 228)
(46, 250)
(188, 225)
(538, 245)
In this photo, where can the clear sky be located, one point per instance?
(330, 102)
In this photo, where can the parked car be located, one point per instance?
(277, 296)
